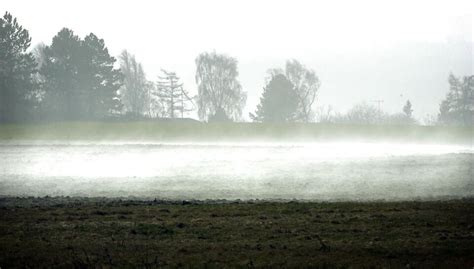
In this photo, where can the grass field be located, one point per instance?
(101, 233)
(197, 131)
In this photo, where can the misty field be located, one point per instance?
(148, 195)
(310, 171)
(193, 160)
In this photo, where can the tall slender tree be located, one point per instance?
(101, 81)
(136, 89)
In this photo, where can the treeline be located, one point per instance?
(76, 78)
(364, 113)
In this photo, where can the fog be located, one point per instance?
(294, 100)
(236, 133)
(309, 171)
(363, 51)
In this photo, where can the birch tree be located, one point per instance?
(218, 87)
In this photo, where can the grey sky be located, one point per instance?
(361, 50)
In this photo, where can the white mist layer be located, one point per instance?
(315, 171)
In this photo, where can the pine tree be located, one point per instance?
(17, 70)
(62, 97)
(102, 81)
(279, 102)
(80, 79)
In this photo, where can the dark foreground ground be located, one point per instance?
(102, 233)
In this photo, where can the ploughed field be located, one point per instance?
(309, 171)
(105, 233)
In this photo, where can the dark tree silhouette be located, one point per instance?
(61, 89)
(17, 70)
(458, 106)
(218, 87)
(80, 79)
(103, 80)
(279, 102)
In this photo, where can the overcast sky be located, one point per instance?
(361, 50)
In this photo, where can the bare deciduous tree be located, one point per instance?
(218, 87)
(324, 114)
(136, 89)
(174, 98)
(362, 113)
(306, 84)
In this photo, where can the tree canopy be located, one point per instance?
(80, 79)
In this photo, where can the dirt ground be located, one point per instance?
(105, 233)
